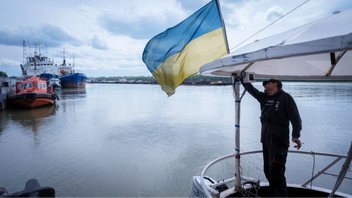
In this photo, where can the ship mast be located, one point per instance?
(24, 51)
(39, 49)
(35, 59)
(35, 63)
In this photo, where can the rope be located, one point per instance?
(270, 24)
(262, 29)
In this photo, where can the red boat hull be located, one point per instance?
(32, 100)
(32, 103)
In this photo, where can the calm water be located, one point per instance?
(132, 140)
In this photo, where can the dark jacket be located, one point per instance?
(276, 112)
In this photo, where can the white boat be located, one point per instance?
(55, 83)
(320, 50)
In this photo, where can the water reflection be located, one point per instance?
(72, 93)
(71, 98)
(321, 91)
(32, 118)
(4, 117)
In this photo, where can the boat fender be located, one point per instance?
(3, 191)
(55, 96)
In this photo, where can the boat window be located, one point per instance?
(32, 64)
(21, 86)
(40, 85)
(44, 86)
(25, 86)
(30, 85)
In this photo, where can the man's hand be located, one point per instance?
(298, 142)
(241, 80)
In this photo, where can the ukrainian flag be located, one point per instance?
(179, 52)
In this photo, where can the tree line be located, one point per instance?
(195, 77)
(3, 74)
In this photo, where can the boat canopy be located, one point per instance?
(320, 50)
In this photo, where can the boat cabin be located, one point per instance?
(31, 85)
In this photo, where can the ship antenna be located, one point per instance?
(64, 57)
(35, 62)
(24, 48)
(39, 49)
(29, 49)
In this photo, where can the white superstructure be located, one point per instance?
(34, 65)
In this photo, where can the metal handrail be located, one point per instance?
(205, 187)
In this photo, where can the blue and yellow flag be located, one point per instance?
(179, 52)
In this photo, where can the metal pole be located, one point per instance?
(223, 26)
(343, 172)
(236, 94)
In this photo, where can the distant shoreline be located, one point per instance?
(209, 82)
(154, 82)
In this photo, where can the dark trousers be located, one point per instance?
(274, 167)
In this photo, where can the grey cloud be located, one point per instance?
(53, 35)
(145, 27)
(97, 44)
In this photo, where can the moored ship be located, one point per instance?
(75, 80)
(38, 64)
(70, 77)
(42, 66)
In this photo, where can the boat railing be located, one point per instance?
(211, 189)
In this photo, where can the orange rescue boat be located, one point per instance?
(33, 92)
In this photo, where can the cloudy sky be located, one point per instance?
(107, 37)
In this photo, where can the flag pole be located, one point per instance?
(236, 94)
(223, 26)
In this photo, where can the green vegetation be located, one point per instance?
(116, 78)
(196, 77)
(3, 74)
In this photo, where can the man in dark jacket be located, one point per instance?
(277, 109)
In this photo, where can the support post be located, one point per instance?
(236, 94)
